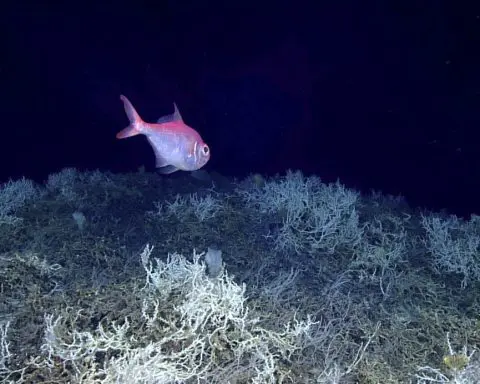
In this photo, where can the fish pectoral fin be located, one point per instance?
(167, 169)
(159, 159)
(163, 166)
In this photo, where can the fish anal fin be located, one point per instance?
(167, 169)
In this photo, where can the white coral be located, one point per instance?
(210, 319)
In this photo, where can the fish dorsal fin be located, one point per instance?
(166, 119)
(175, 116)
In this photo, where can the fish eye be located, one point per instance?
(205, 149)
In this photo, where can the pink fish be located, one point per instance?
(176, 145)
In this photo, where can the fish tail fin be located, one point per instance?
(136, 122)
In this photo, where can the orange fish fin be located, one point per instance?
(136, 121)
(128, 132)
(132, 114)
(167, 169)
